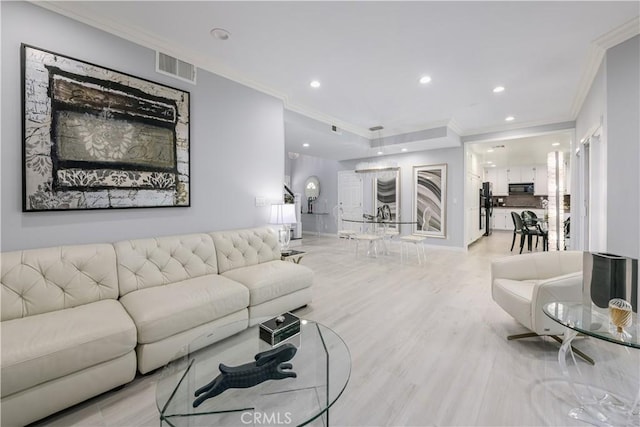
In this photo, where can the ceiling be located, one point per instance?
(369, 56)
(522, 151)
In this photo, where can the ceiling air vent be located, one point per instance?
(167, 64)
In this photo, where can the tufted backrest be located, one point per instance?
(146, 263)
(39, 281)
(241, 248)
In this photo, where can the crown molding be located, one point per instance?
(619, 34)
(328, 119)
(140, 37)
(518, 131)
(596, 53)
(151, 41)
(385, 133)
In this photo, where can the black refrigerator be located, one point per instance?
(486, 207)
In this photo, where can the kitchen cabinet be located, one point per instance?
(541, 182)
(473, 225)
(502, 219)
(519, 174)
(498, 176)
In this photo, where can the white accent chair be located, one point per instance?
(522, 284)
(416, 240)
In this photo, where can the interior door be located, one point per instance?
(350, 193)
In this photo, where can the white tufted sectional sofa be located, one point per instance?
(79, 320)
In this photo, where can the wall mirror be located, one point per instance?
(312, 188)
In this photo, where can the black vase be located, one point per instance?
(612, 276)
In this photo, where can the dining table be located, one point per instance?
(377, 221)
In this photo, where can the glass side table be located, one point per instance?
(598, 407)
(322, 364)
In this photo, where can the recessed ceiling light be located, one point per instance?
(220, 34)
(306, 144)
(555, 144)
(493, 166)
(380, 153)
(424, 80)
(403, 150)
(498, 89)
(489, 162)
(490, 150)
(314, 84)
(510, 118)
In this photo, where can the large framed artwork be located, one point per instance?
(95, 138)
(386, 192)
(429, 200)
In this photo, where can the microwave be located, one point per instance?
(523, 188)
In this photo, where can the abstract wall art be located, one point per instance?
(429, 200)
(95, 138)
(386, 188)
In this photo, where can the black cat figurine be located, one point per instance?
(268, 365)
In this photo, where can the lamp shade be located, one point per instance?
(283, 214)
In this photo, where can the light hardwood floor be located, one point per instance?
(428, 347)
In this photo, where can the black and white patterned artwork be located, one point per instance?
(429, 201)
(95, 138)
(387, 196)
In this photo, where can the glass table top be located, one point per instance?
(593, 321)
(322, 363)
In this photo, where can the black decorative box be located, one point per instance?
(279, 329)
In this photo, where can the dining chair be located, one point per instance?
(384, 215)
(345, 233)
(530, 220)
(416, 239)
(518, 228)
(567, 232)
(371, 238)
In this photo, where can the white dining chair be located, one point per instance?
(372, 242)
(344, 233)
(416, 239)
(372, 238)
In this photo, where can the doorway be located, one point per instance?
(350, 190)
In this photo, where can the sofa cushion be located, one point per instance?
(39, 281)
(515, 296)
(145, 263)
(39, 348)
(272, 279)
(162, 311)
(242, 248)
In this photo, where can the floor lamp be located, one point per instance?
(283, 214)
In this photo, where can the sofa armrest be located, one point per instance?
(537, 266)
(565, 288)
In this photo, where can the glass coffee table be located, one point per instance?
(597, 406)
(322, 364)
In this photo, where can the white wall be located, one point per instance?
(614, 100)
(327, 173)
(454, 158)
(237, 142)
(623, 139)
(592, 116)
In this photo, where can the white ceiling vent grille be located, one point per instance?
(167, 64)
